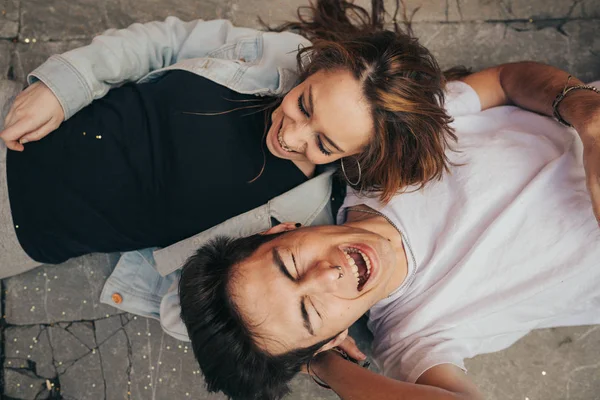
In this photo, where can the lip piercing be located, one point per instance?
(340, 271)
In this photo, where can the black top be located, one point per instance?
(144, 167)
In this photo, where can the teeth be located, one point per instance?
(281, 142)
(353, 265)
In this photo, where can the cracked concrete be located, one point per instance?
(60, 342)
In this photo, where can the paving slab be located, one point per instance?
(572, 46)
(501, 10)
(9, 19)
(68, 292)
(30, 55)
(548, 364)
(6, 53)
(68, 20)
(122, 13)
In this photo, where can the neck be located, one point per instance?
(365, 217)
(306, 167)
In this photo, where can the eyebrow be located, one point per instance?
(280, 264)
(312, 111)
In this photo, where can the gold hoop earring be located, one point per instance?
(346, 176)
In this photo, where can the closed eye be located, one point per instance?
(301, 106)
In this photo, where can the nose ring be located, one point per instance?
(340, 271)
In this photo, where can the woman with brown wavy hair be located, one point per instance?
(124, 172)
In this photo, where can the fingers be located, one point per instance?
(15, 132)
(350, 347)
(39, 133)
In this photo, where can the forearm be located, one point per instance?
(534, 87)
(351, 381)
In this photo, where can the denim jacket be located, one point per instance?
(144, 282)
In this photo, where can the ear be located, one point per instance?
(283, 227)
(336, 341)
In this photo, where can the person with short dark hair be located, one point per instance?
(506, 243)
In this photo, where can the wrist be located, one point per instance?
(581, 109)
(323, 361)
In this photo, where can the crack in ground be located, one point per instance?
(101, 362)
(129, 361)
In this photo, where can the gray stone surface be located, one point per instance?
(561, 363)
(69, 292)
(66, 341)
(6, 50)
(30, 55)
(9, 19)
(501, 10)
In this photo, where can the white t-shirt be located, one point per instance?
(504, 244)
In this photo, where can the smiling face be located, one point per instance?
(313, 283)
(321, 120)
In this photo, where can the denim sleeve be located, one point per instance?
(79, 76)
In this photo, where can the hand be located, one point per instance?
(591, 164)
(348, 345)
(35, 113)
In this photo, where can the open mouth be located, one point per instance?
(360, 264)
(283, 145)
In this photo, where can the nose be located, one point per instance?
(297, 135)
(323, 278)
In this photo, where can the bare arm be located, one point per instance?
(350, 381)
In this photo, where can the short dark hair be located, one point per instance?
(223, 344)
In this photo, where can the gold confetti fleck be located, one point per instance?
(84, 133)
(543, 372)
(185, 351)
(33, 40)
(31, 347)
(17, 226)
(18, 385)
(26, 40)
(179, 346)
(152, 368)
(85, 301)
(160, 379)
(98, 137)
(63, 313)
(139, 334)
(146, 387)
(107, 315)
(150, 384)
(24, 287)
(530, 20)
(60, 363)
(174, 369)
(168, 347)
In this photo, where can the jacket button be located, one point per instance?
(117, 298)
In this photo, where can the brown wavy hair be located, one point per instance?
(401, 81)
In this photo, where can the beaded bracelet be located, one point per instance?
(345, 356)
(563, 94)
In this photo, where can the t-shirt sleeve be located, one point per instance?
(407, 361)
(461, 99)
